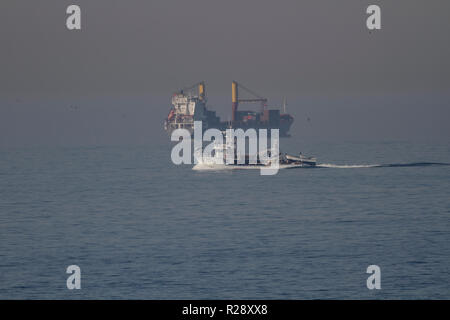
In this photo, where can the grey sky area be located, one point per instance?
(112, 81)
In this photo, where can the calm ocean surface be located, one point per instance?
(140, 227)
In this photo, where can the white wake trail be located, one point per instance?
(346, 166)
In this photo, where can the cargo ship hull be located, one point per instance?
(188, 108)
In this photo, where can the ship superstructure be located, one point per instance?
(189, 105)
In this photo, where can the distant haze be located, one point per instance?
(111, 82)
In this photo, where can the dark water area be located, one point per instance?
(140, 227)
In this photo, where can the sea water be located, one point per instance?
(140, 227)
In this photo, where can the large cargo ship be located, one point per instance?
(189, 105)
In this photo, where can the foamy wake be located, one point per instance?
(347, 166)
(204, 166)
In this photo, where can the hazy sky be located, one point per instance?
(317, 52)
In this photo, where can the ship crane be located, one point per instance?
(235, 98)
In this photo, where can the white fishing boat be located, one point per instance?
(265, 158)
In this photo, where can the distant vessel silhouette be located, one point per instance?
(189, 106)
